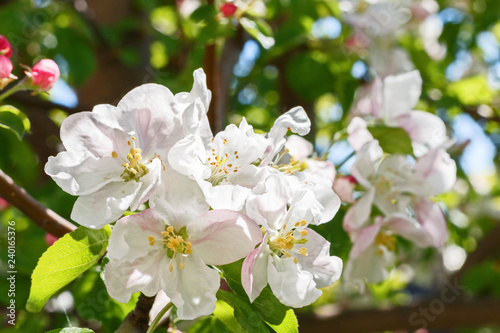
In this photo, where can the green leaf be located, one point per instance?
(393, 140)
(208, 324)
(266, 307)
(71, 330)
(244, 313)
(65, 260)
(472, 91)
(13, 119)
(225, 313)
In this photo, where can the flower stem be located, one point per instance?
(160, 315)
(345, 160)
(19, 86)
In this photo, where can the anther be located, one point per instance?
(114, 154)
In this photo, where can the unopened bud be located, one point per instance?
(44, 74)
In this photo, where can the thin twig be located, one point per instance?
(45, 218)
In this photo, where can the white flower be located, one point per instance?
(394, 185)
(220, 165)
(293, 259)
(115, 156)
(150, 252)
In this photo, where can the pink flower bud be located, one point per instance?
(50, 239)
(3, 204)
(5, 67)
(45, 74)
(228, 9)
(5, 48)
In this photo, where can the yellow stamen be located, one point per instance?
(114, 154)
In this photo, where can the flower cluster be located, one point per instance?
(212, 200)
(396, 188)
(41, 77)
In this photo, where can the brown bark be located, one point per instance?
(45, 218)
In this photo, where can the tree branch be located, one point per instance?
(137, 321)
(45, 218)
(434, 314)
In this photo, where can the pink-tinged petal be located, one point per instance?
(401, 93)
(430, 216)
(150, 182)
(105, 205)
(291, 285)
(358, 133)
(89, 132)
(148, 112)
(254, 270)
(371, 265)
(296, 120)
(180, 199)
(325, 269)
(81, 175)
(320, 171)
(192, 289)
(344, 187)
(267, 204)
(410, 229)
(5, 67)
(142, 275)
(298, 147)
(435, 173)
(224, 196)
(129, 239)
(188, 157)
(426, 130)
(365, 238)
(357, 216)
(220, 237)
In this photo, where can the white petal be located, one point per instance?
(189, 156)
(129, 239)
(105, 205)
(81, 175)
(149, 111)
(192, 289)
(267, 204)
(357, 216)
(358, 133)
(180, 199)
(220, 237)
(143, 275)
(370, 265)
(291, 285)
(401, 93)
(325, 269)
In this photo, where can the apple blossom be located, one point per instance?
(5, 71)
(393, 184)
(221, 165)
(44, 74)
(115, 155)
(149, 252)
(292, 258)
(228, 9)
(374, 248)
(392, 101)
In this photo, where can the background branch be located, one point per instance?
(433, 314)
(43, 217)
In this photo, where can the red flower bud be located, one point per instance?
(50, 239)
(44, 74)
(5, 48)
(228, 9)
(5, 67)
